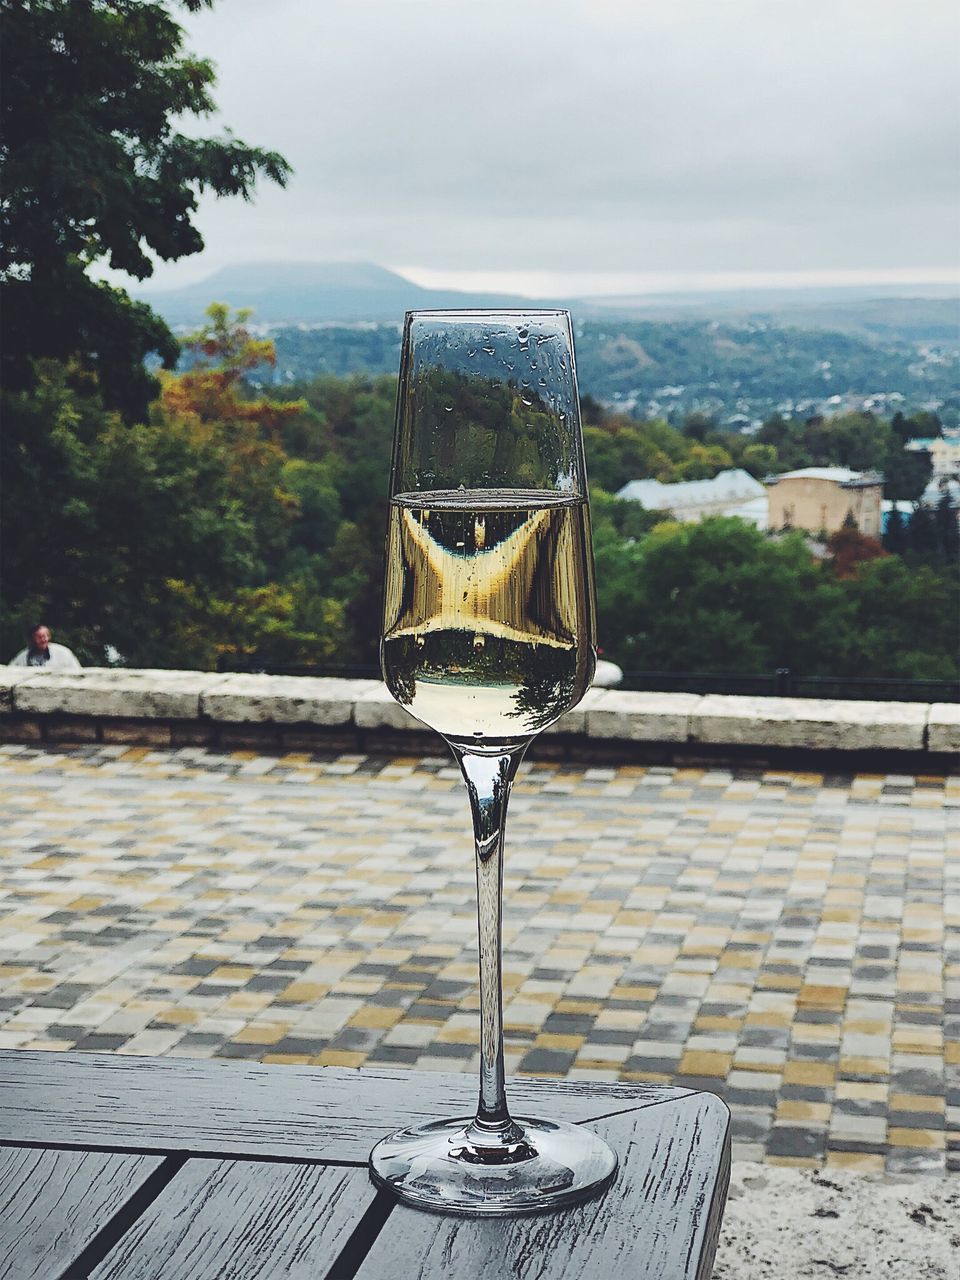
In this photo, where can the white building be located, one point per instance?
(939, 487)
(944, 453)
(731, 493)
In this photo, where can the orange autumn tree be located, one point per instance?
(211, 402)
(849, 549)
(211, 398)
(224, 352)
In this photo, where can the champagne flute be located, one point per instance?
(488, 638)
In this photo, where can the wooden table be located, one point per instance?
(121, 1168)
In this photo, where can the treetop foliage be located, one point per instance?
(235, 527)
(94, 170)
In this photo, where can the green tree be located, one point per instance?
(620, 518)
(94, 169)
(313, 484)
(856, 440)
(895, 534)
(621, 449)
(718, 596)
(905, 475)
(905, 622)
(787, 439)
(921, 425)
(100, 518)
(347, 430)
(922, 539)
(759, 459)
(703, 462)
(697, 426)
(948, 530)
(175, 541)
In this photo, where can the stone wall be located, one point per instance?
(301, 713)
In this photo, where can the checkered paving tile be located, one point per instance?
(789, 941)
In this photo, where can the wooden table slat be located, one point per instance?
(52, 1204)
(249, 1220)
(266, 1176)
(223, 1108)
(658, 1221)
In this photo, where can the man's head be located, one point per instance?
(40, 636)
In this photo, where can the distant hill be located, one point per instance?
(891, 314)
(312, 293)
(286, 293)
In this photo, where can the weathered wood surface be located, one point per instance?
(659, 1220)
(53, 1203)
(265, 1176)
(223, 1108)
(246, 1220)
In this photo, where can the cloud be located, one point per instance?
(590, 135)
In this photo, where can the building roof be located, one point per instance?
(926, 443)
(729, 486)
(838, 475)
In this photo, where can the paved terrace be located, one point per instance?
(782, 939)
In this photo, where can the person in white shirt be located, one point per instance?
(42, 653)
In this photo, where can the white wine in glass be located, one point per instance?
(489, 597)
(488, 638)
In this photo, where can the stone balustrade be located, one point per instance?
(296, 713)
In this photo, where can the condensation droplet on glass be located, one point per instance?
(419, 641)
(522, 334)
(525, 400)
(490, 351)
(472, 351)
(541, 382)
(479, 641)
(480, 532)
(448, 408)
(563, 362)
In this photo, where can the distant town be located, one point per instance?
(738, 357)
(820, 500)
(737, 373)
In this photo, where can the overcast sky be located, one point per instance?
(592, 145)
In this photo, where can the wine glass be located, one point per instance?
(488, 638)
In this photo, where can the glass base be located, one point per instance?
(542, 1165)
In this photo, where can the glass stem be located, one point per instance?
(489, 777)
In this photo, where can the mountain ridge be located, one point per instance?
(284, 293)
(313, 293)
